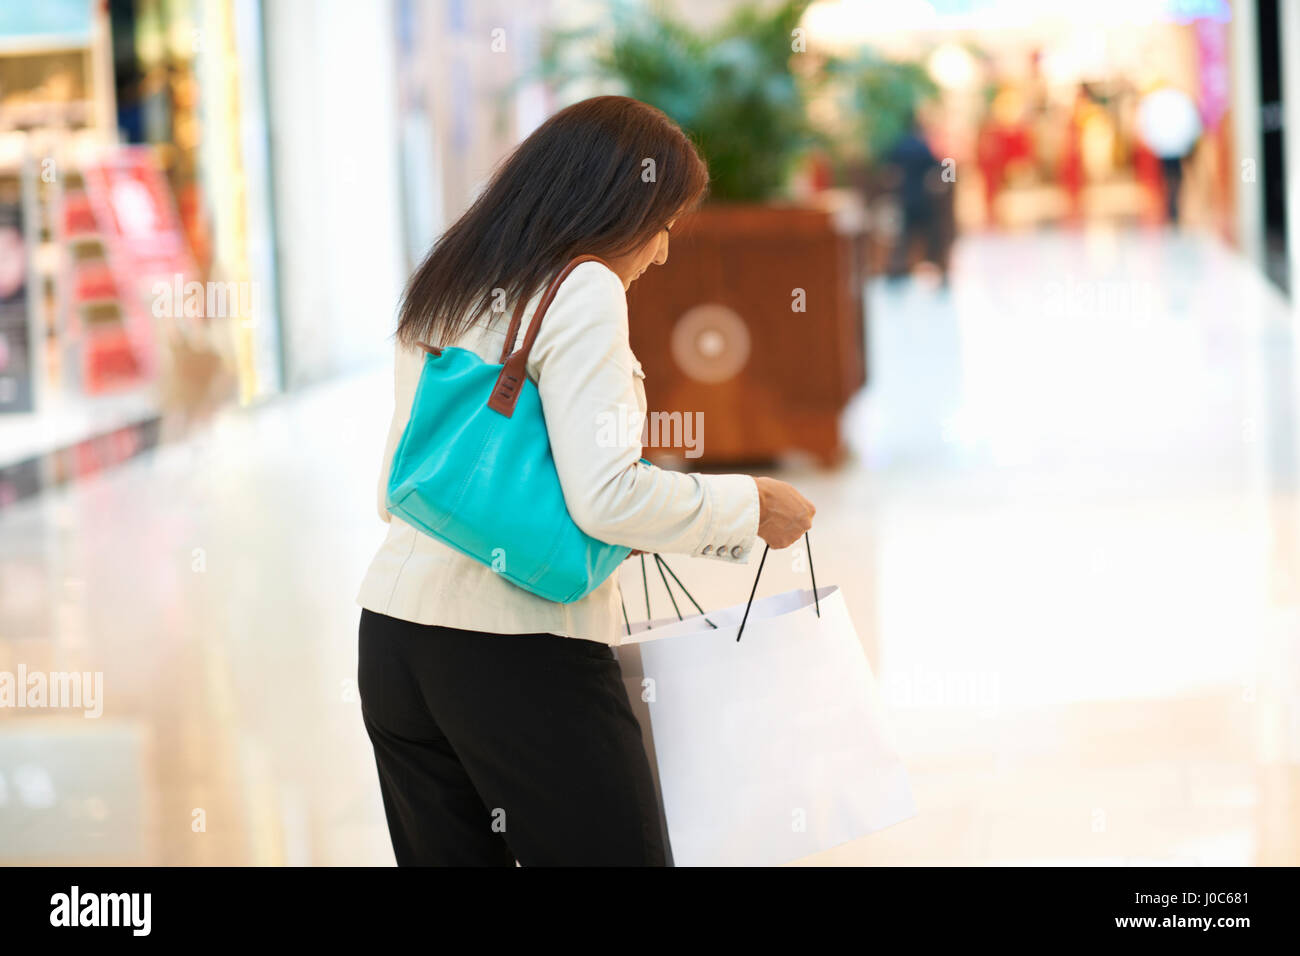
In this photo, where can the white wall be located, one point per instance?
(331, 92)
(1248, 140)
(471, 68)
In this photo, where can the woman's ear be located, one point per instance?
(661, 253)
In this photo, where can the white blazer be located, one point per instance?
(587, 377)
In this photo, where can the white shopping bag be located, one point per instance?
(768, 749)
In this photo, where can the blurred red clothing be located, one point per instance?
(1000, 145)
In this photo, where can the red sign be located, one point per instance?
(135, 216)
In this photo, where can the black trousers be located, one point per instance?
(1173, 170)
(497, 748)
(919, 222)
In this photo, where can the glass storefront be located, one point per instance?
(139, 286)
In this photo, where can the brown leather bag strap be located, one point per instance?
(513, 370)
(512, 333)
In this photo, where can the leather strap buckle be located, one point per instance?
(511, 378)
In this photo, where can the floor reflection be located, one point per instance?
(1069, 540)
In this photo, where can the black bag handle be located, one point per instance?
(663, 566)
(817, 604)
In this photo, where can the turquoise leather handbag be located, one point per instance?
(474, 469)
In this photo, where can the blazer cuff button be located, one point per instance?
(707, 549)
(737, 551)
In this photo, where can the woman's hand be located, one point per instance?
(783, 514)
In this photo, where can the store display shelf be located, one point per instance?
(69, 421)
(39, 45)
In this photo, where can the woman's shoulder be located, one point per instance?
(592, 289)
(591, 294)
(587, 319)
(594, 274)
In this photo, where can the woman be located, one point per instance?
(501, 727)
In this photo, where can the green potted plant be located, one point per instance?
(879, 96)
(756, 321)
(733, 89)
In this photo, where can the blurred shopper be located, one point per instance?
(1003, 140)
(920, 186)
(1169, 125)
(1070, 167)
(500, 724)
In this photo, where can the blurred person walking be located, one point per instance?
(1169, 125)
(920, 186)
(1003, 141)
(501, 727)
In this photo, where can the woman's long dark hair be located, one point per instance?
(580, 184)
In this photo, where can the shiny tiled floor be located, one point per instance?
(1069, 540)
